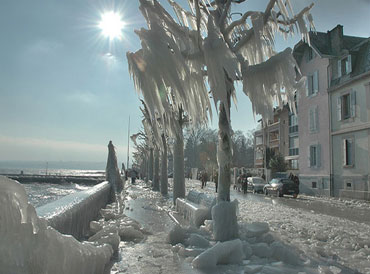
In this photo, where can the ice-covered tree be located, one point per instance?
(204, 43)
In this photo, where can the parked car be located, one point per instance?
(280, 187)
(256, 184)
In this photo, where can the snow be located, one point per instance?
(28, 245)
(292, 240)
(273, 238)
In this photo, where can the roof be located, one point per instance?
(322, 44)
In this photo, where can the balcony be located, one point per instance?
(274, 143)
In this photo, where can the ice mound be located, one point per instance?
(229, 252)
(117, 226)
(27, 245)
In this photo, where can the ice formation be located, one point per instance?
(72, 213)
(263, 83)
(230, 252)
(225, 224)
(112, 172)
(28, 245)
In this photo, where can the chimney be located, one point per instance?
(336, 39)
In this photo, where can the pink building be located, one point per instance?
(314, 109)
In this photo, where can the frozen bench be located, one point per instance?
(196, 208)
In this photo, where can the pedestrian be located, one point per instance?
(204, 178)
(133, 176)
(216, 180)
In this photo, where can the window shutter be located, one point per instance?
(318, 155)
(353, 103)
(316, 81)
(344, 152)
(339, 68)
(316, 128)
(339, 108)
(350, 151)
(349, 64)
(307, 85)
(309, 156)
(311, 119)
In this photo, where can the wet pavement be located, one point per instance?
(360, 215)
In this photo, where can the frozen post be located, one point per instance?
(112, 174)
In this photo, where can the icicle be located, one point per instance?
(220, 60)
(271, 81)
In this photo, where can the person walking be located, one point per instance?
(204, 178)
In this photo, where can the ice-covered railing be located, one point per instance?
(28, 245)
(73, 213)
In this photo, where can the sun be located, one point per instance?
(111, 25)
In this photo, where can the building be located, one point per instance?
(349, 98)
(278, 136)
(317, 64)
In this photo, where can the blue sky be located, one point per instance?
(65, 91)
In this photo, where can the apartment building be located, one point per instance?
(315, 146)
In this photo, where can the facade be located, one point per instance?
(349, 95)
(315, 147)
(275, 136)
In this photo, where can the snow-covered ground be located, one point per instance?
(274, 237)
(298, 240)
(328, 240)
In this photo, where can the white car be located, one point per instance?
(256, 184)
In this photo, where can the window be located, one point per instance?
(274, 135)
(344, 66)
(259, 154)
(312, 83)
(314, 156)
(294, 164)
(259, 140)
(348, 152)
(293, 146)
(346, 106)
(293, 123)
(314, 184)
(313, 119)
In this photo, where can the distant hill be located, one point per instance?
(52, 165)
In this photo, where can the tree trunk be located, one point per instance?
(225, 222)
(150, 169)
(164, 165)
(156, 170)
(178, 168)
(224, 155)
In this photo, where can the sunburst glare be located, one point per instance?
(111, 25)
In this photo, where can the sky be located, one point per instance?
(65, 90)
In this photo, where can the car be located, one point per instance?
(281, 187)
(256, 184)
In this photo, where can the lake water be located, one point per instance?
(43, 193)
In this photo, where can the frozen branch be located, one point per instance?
(224, 14)
(239, 22)
(266, 17)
